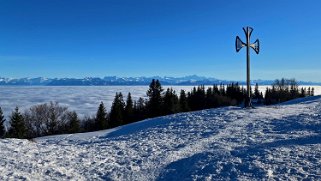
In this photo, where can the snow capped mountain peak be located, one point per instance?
(114, 80)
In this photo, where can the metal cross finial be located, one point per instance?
(256, 47)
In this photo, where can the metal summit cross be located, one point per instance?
(256, 47)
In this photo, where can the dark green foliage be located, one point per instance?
(303, 92)
(2, 120)
(17, 125)
(197, 98)
(170, 105)
(88, 124)
(154, 104)
(258, 96)
(140, 111)
(234, 91)
(117, 111)
(50, 119)
(129, 110)
(74, 123)
(101, 117)
(216, 98)
(284, 90)
(183, 103)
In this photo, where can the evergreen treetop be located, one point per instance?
(17, 129)
(101, 117)
(155, 101)
(117, 110)
(74, 123)
(129, 109)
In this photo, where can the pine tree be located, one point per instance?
(129, 109)
(74, 124)
(139, 110)
(303, 92)
(154, 94)
(257, 94)
(101, 117)
(210, 98)
(183, 103)
(2, 128)
(117, 111)
(170, 102)
(17, 129)
(267, 98)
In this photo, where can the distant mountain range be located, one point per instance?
(114, 80)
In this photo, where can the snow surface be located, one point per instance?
(281, 142)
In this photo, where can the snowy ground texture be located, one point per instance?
(280, 142)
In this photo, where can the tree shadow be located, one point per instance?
(301, 122)
(220, 164)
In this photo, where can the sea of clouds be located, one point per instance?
(82, 99)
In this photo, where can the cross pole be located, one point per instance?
(256, 47)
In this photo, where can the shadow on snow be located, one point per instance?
(221, 164)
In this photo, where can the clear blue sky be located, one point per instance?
(80, 38)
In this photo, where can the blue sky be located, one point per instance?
(80, 38)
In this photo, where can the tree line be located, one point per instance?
(52, 118)
(284, 90)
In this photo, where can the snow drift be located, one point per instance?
(274, 142)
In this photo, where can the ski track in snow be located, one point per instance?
(267, 143)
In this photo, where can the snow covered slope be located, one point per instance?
(275, 142)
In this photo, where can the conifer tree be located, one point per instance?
(74, 125)
(117, 111)
(129, 109)
(257, 94)
(139, 110)
(2, 128)
(17, 125)
(154, 94)
(303, 92)
(267, 99)
(210, 98)
(256, 91)
(170, 102)
(101, 117)
(183, 103)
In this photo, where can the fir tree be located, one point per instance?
(183, 104)
(101, 117)
(129, 109)
(257, 94)
(256, 91)
(303, 92)
(197, 98)
(2, 128)
(154, 94)
(17, 125)
(74, 125)
(117, 111)
(139, 110)
(170, 102)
